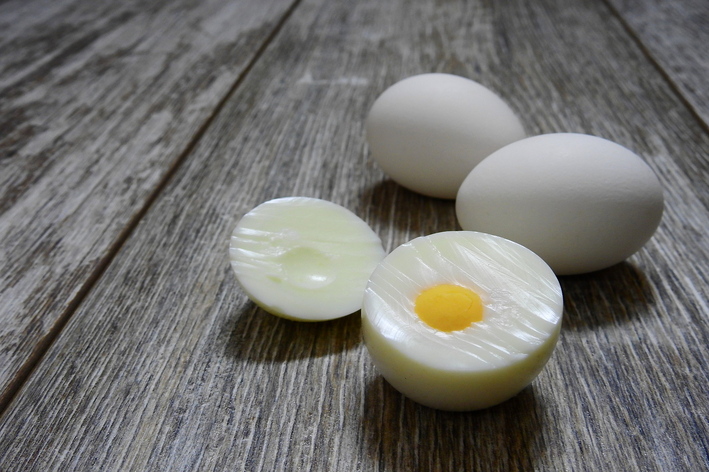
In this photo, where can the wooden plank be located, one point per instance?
(97, 104)
(167, 366)
(675, 35)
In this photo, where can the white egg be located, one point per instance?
(461, 320)
(580, 202)
(303, 258)
(428, 131)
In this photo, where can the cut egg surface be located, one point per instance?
(461, 320)
(303, 258)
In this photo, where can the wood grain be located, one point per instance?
(97, 104)
(166, 365)
(675, 35)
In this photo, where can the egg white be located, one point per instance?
(303, 258)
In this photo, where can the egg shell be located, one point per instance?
(484, 364)
(581, 202)
(303, 258)
(428, 131)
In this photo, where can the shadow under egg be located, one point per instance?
(403, 435)
(259, 336)
(615, 295)
(392, 207)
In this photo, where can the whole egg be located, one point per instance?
(428, 131)
(580, 202)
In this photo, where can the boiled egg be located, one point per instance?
(304, 258)
(461, 320)
(428, 131)
(581, 202)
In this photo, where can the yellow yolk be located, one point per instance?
(449, 307)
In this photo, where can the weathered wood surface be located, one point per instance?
(675, 35)
(97, 103)
(167, 366)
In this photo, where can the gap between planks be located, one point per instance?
(656, 64)
(43, 345)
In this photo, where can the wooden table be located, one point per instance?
(134, 135)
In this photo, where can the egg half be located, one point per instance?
(461, 320)
(303, 258)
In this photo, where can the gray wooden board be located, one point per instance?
(166, 365)
(675, 34)
(97, 103)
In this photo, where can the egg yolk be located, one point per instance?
(449, 307)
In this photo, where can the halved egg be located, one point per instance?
(304, 258)
(461, 320)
